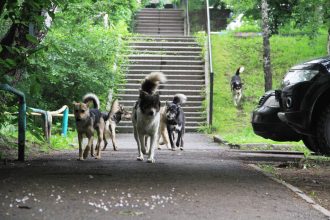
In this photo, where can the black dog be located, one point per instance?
(236, 86)
(175, 120)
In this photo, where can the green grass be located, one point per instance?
(229, 52)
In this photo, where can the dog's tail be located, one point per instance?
(91, 97)
(179, 99)
(239, 70)
(151, 82)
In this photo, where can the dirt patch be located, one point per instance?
(311, 177)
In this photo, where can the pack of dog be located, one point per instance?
(146, 115)
(175, 121)
(88, 120)
(237, 86)
(112, 119)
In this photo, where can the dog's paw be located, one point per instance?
(181, 148)
(173, 149)
(139, 158)
(115, 148)
(97, 157)
(151, 160)
(159, 148)
(80, 159)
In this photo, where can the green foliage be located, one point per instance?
(231, 52)
(80, 54)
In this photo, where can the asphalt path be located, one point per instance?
(202, 182)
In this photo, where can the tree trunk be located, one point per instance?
(266, 45)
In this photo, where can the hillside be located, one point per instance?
(229, 53)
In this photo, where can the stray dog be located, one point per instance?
(175, 120)
(236, 86)
(163, 130)
(146, 116)
(87, 121)
(112, 119)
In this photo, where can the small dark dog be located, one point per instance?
(175, 120)
(87, 121)
(146, 116)
(236, 86)
(112, 119)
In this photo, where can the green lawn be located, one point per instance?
(229, 53)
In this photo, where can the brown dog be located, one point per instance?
(112, 118)
(87, 121)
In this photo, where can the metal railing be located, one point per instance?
(210, 119)
(21, 119)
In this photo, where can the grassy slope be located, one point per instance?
(228, 54)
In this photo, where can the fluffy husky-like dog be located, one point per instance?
(175, 120)
(146, 116)
(87, 121)
(112, 119)
(236, 86)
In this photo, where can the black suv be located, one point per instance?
(300, 110)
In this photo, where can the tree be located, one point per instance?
(266, 45)
(311, 16)
(25, 31)
(250, 6)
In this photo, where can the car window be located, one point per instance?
(296, 76)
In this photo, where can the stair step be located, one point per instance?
(164, 67)
(159, 24)
(188, 103)
(167, 33)
(161, 57)
(164, 86)
(123, 97)
(166, 62)
(156, 18)
(169, 77)
(166, 48)
(164, 91)
(155, 27)
(162, 38)
(173, 72)
(170, 81)
(161, 10)
(154, 52)
(164, 44)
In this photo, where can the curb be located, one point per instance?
(218, 139)
(294, 189)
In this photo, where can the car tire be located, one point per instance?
(323, 131)
(311, 143)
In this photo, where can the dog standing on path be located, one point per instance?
(112, 119)
(236, 86)
(87, 121)
(146, 116)
(175, 120)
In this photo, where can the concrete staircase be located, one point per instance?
(163, 47)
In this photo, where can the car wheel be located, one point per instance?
(311, 143)
(323, 131)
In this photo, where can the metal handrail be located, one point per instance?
(21, 119)
(187, 18)
(210, 63)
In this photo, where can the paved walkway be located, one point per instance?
(201, 182)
